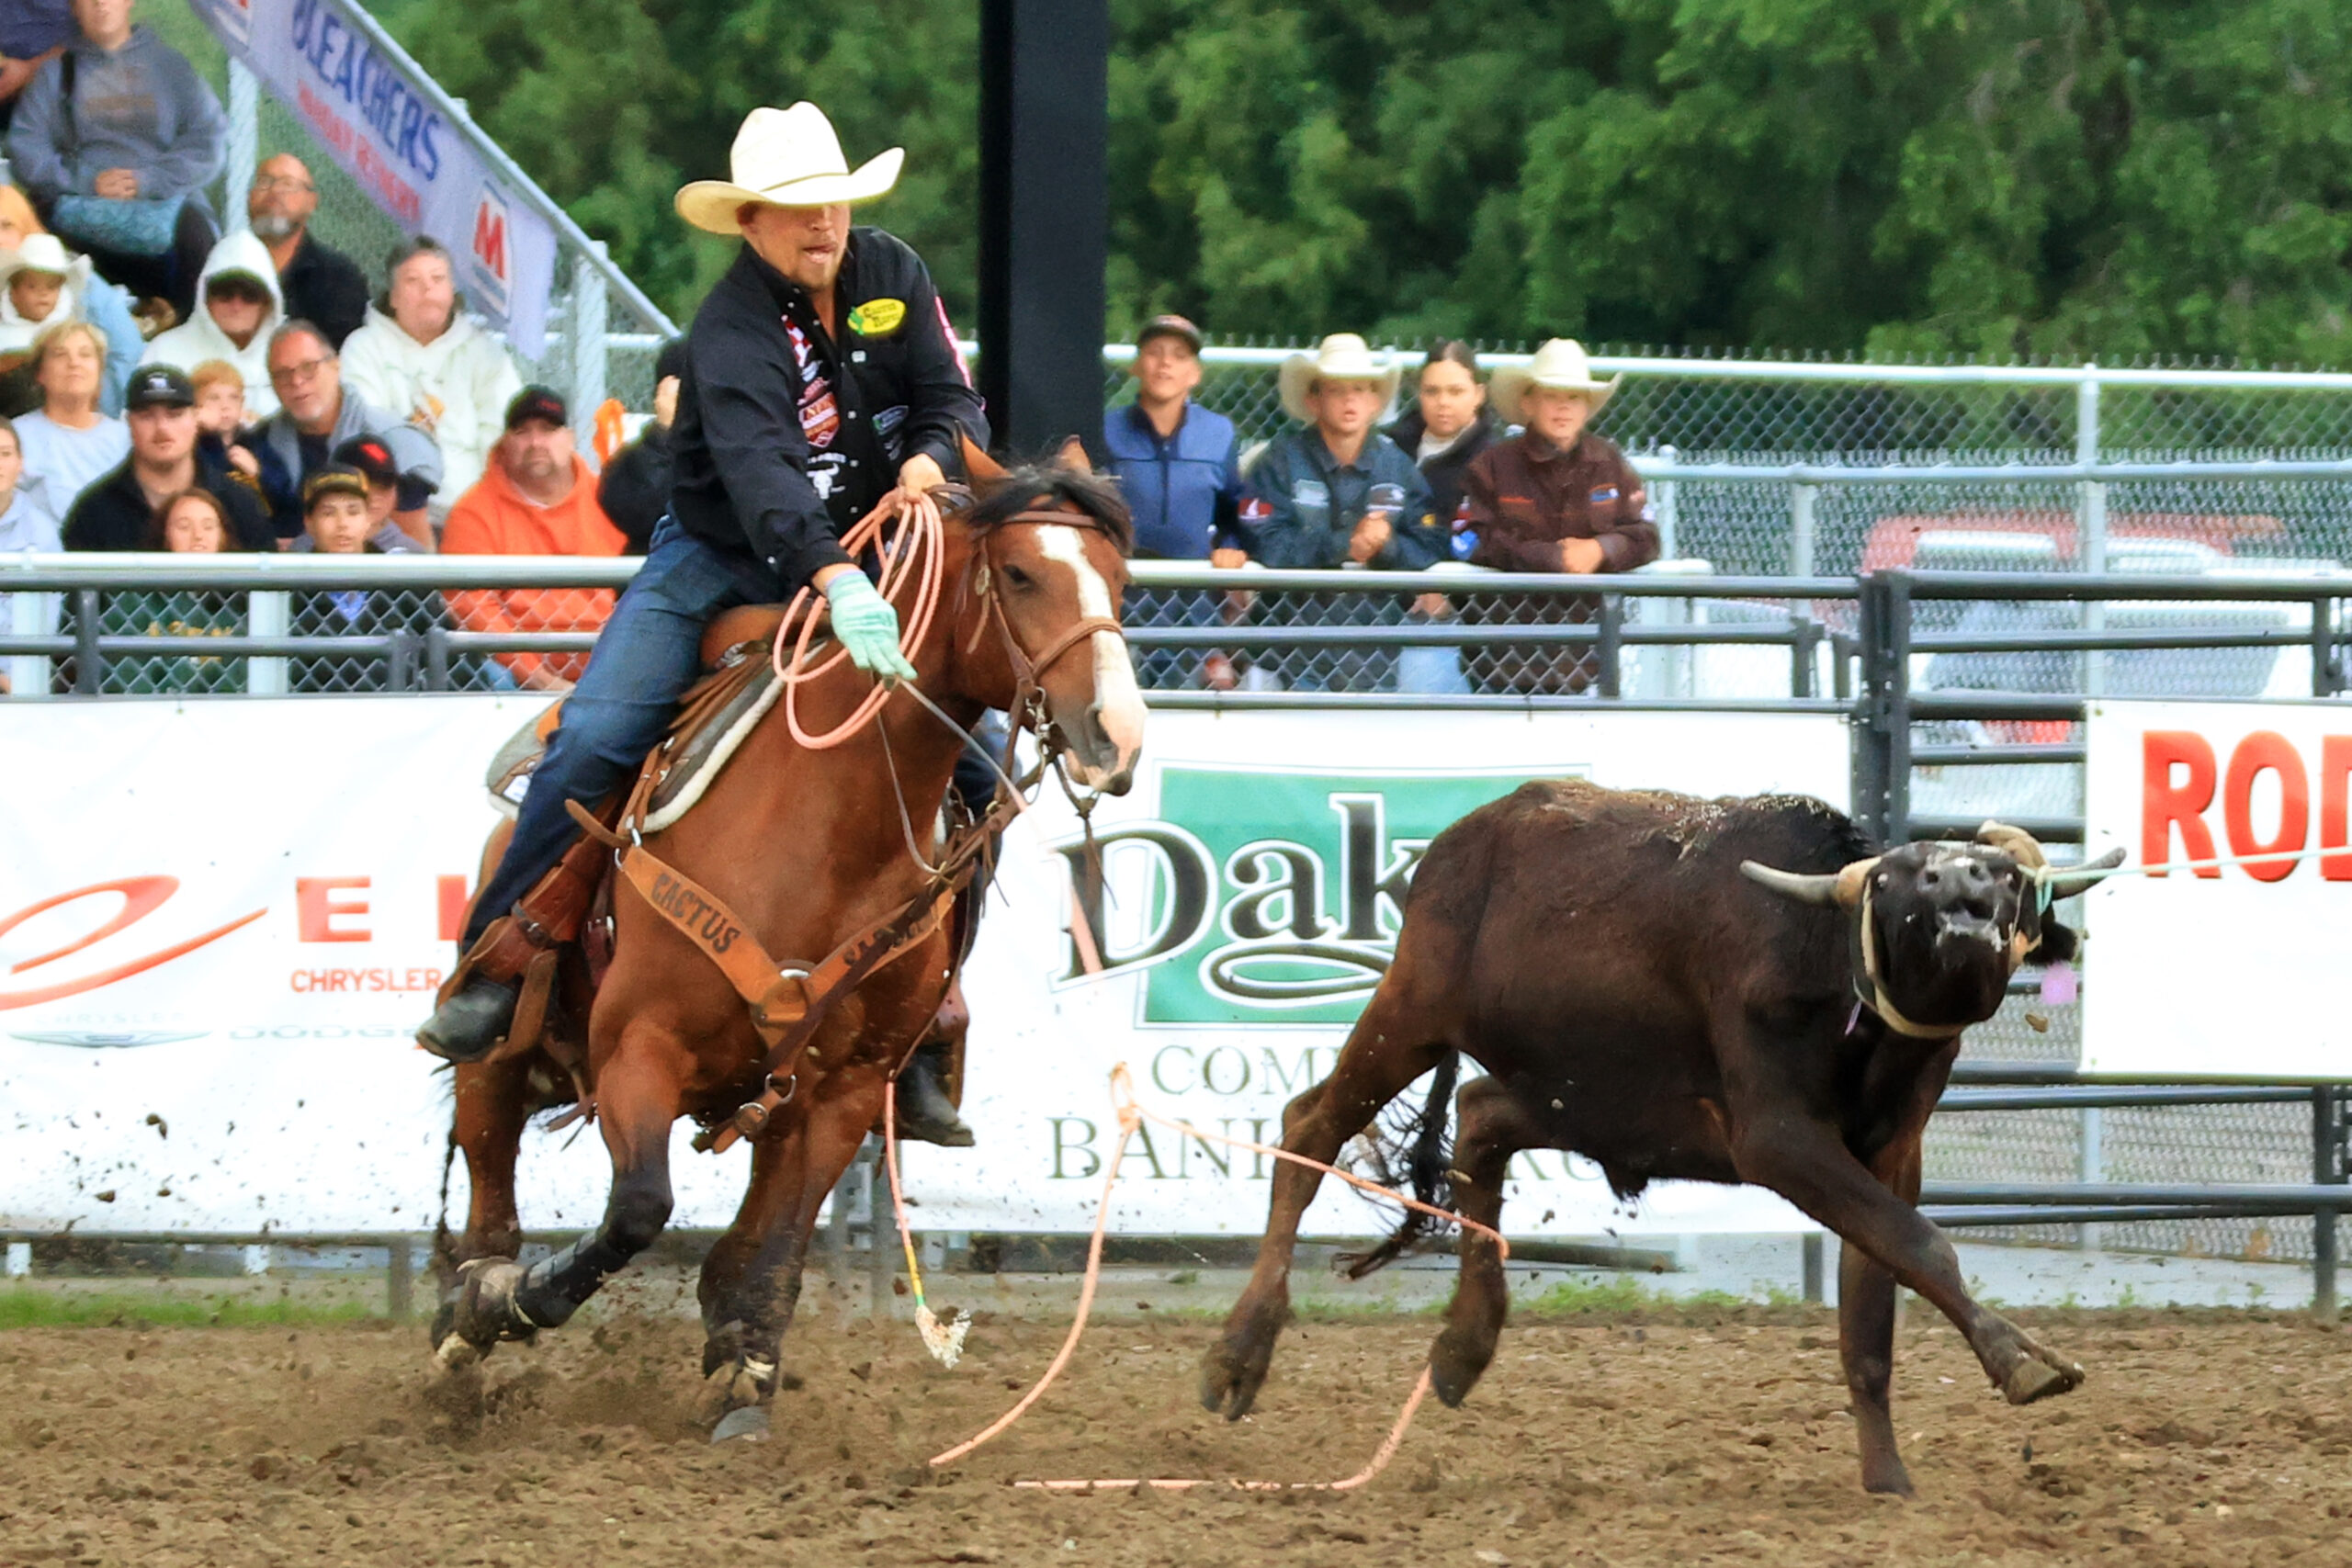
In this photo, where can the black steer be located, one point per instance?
(1727, 990)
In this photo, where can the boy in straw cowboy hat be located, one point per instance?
(1554, 498)
(820, 380)
(1339, 493)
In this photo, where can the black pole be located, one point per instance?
(1044, 217)
(2328, 1168)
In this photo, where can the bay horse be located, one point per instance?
(808, 848)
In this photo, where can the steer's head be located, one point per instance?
(1940, 927)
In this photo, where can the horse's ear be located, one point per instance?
(979, 466)
(1073, 457)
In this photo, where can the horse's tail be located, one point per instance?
(1423, 1144)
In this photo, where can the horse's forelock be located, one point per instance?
(1044, 487)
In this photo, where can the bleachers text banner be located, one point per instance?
(220, 920)
(394, 134)
(2220, 970)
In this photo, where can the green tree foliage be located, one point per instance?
(2059, 178)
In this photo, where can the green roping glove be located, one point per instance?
(867, 626)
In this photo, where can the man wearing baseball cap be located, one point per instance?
(537, 497)
(821, 381)
(367, 462)
(1178, 466)
(117, 511)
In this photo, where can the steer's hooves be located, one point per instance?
(455, 1354)
(1892, 1482)
(2030, 1379)
(749, 1424)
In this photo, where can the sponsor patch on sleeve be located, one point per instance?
(1605, 494)
(877, 318)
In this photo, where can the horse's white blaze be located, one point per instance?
(1118, 700)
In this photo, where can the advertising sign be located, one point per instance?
(369, 111)
(2205, 968)
(224, 919)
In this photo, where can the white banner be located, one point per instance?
(220, 920)
(2220, 970)
(366, 108)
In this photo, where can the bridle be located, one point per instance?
(1029, 669)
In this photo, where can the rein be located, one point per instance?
(790, 1000)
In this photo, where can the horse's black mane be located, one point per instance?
(1042, 487)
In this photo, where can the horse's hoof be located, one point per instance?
(2030, 1379)
(456, 1354)
(747, 1424)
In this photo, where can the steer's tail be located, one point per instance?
(1415, 1147)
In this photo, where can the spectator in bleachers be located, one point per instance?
(191, 521)
(238, 307)
(39, 291)
(1177, 464)
(1555, 498)
(538, 497)
(222, 426)
(116, 513)
(342, 515)
(372, 461)
(316, 414)
(317, 284)
(423, 358)
(1449, 424)
(83, 295)
(634, 488)
(32, 33)
(115, 140)
(24, 524)
(68, 443)
(1339, 493)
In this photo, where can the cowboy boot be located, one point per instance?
(925, 1114)
(478, 1006)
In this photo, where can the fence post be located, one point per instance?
(1868, 785)
(1802, 499)
(2090, 521)
(1810, 1251)
(1897, 630)
(399, 1280)
(245, 145)
(588, 348)
(1665, 495)
(881, 1267)
(2327, 1169)
(269, 610)
(28, 672)
(2090, 1167)
(89, 664)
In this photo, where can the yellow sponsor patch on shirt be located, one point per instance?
(877, 318)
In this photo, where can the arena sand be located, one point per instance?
(2199, 1439)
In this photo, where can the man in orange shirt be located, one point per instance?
(536, 497)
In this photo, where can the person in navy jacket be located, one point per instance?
(1177, 463)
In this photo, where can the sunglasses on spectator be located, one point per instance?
(303, 371)
(281, 182)
(237, 288)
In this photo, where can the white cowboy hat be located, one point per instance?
(1559, 364)
(1342, 356)
(785, 158)
(41, 252)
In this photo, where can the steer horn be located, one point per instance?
(2022, 846)
(2072, 880)
(1832, 890)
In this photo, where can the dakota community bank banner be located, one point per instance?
(371, 109)
(220, 920)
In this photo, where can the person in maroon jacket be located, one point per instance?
(1554, 498)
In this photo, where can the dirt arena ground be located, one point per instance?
(2199, 1439)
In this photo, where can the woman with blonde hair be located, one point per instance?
(70, 442)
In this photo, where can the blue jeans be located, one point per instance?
(646, 656)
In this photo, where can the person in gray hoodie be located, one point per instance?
(121, 116)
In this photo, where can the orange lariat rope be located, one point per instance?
(1132, 1115)
(917, 550)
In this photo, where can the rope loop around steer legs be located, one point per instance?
(1131, 1114)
